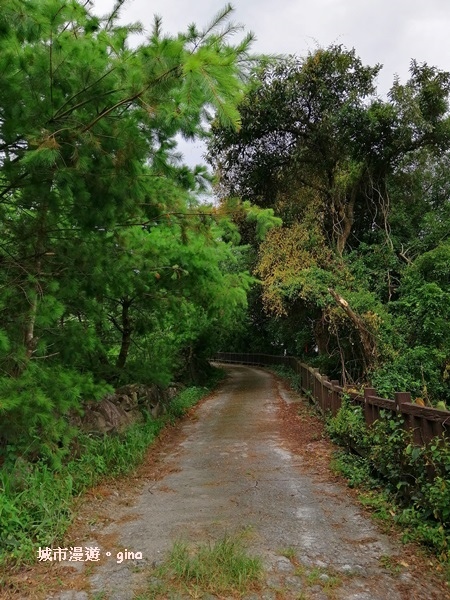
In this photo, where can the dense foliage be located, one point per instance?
(357, 279)
(111, 269)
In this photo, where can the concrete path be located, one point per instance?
(232, 469)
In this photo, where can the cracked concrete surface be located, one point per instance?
(234, 471)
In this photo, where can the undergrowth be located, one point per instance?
(401, 482)
(291, 376)
(36, 500)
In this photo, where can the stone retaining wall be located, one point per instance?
(125, 406)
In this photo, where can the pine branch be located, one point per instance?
(13, 185)
(77, 94)
(128, 100)
(157, 26)
(114, 14)
(84, 102)
(217, 19)
(115, 323)
(51, 67)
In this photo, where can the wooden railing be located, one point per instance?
(425, 422)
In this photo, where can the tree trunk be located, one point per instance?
(346, 214)
(127, 330)
(28, 335)
(32, 295)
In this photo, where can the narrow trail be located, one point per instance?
(237, 464)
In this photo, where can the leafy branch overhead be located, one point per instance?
(112, 270)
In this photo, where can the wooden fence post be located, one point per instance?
(409, 420)
(335, 398)
(321, 394)
(316, 386)
(401, 397)
(368, 411)
(326, 395)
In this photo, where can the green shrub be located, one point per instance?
(348, 427)
(33, 409)
(287, 373)
(185, 400)
(414, 480)
(356, 469)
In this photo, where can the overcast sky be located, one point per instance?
(390, 32)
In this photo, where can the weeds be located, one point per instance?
(291, 376)
(323, 577)
(354, 468)
(327, 578)
(389, 563)
(289, 553)
(223, 567)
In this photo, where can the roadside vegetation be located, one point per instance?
(37, 501)
(219, 568)
(400, 482)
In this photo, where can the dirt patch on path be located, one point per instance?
(245, 460)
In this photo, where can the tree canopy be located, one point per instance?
(111, 268)
(360, 183)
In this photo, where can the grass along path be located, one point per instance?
(38, 503)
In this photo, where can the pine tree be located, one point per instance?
(88, 182)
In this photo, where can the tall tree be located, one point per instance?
(95, 212)
(356, 180)
(313, 128)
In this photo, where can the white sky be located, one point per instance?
(390, 32)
